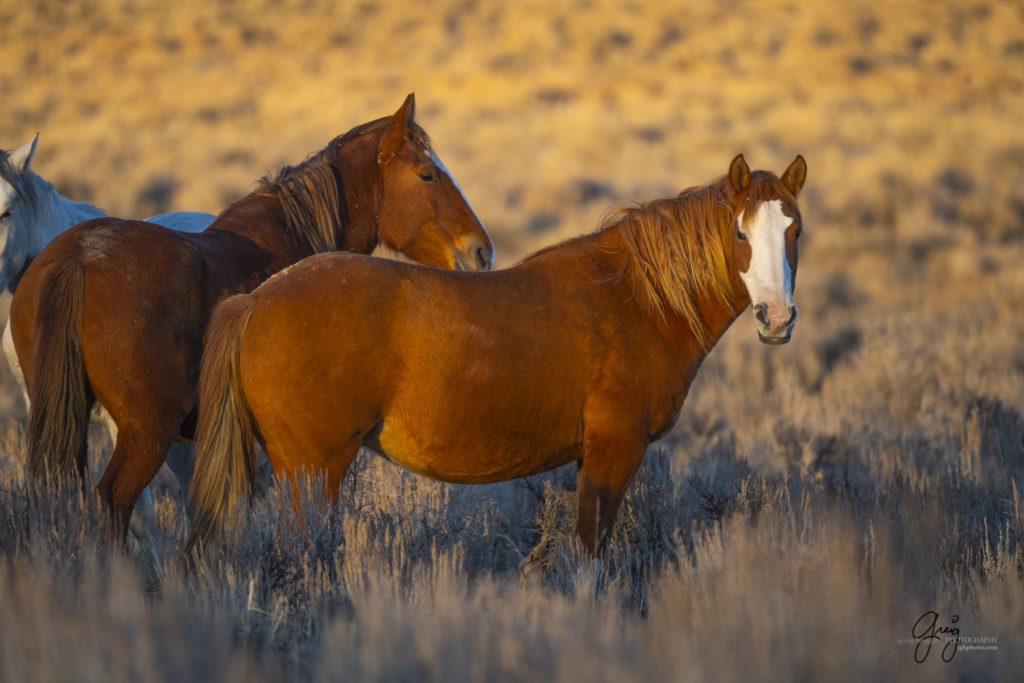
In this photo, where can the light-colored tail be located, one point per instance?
(225, 432)
(59, 398)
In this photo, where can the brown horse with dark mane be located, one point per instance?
(583, 352)
(113, 312)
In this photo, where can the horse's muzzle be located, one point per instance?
(775, 325)
(478, 256)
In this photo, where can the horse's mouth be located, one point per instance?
(774, 341)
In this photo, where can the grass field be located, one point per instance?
(814, 501)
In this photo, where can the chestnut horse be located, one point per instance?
(114, 311)
(582, 352)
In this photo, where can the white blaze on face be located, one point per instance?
(769, 278)
(444, 170)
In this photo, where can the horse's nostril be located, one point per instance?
(761, 313)
(792, 315)
(483, 257)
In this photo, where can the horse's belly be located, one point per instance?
(471, 458)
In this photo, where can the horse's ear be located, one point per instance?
(739, 174)
(397, 129)
(795, 175)
(20, 158)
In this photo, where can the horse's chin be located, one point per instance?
(774, 341)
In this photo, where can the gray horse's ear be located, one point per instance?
(795, 175)
(739, 174)
(20, 158)
(397, 129)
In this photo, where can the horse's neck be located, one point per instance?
(51, 214)
(260, 219)
(717, 315)
(360, 228)
(360, 185)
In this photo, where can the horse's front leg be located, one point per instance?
(608, 466)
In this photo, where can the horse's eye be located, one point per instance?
(5, 215)
(427, 177)
(741, 236)
(799, 231)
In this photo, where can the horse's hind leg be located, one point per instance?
(143, 518)
(296, 463)
(137, 457)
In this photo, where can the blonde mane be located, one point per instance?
(679, 252)
(311, 198)
(680, 249)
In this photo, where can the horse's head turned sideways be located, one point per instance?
(423, 213)
(765, 231)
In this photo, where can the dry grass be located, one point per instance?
(814, 500)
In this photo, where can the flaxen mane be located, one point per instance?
(312, 202)
(310, 193)
(681, 248)
(679, 251)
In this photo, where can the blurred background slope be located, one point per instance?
(908, 112)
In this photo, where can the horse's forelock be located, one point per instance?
(765, 187)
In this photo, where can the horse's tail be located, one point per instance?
(225, 431)
(60, 397)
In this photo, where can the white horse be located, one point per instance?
(32, 213)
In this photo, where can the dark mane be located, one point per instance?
(311, 193)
